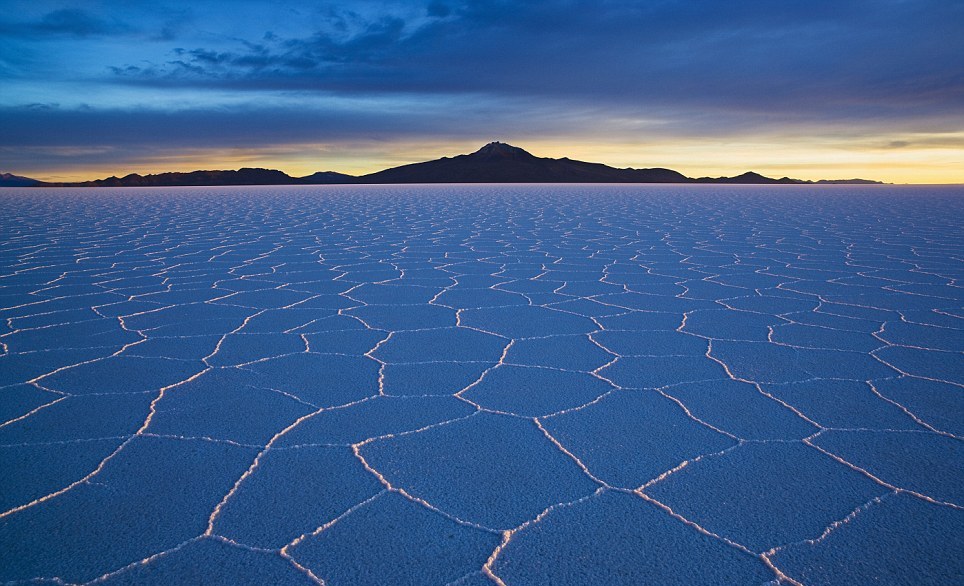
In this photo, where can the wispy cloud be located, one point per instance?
(69, 22)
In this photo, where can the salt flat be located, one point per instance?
(482, 384)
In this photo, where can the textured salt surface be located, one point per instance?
(482, 384)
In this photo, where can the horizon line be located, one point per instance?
(296, 175)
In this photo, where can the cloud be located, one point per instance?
(790, 58)
(438, 9)
(72, 21)
(262, 122)
(65, 22)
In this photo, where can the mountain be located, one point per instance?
(329, 178)
(847, 182)
(751, 178)
(244, 176)
(498, 162)
(10, 180)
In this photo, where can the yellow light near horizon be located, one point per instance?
(811, 160)
(924, 159)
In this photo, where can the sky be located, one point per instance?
(802, 88)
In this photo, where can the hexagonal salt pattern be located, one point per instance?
(473, 385)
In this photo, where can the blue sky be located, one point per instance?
(803, 88)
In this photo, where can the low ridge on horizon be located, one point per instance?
(495, 162)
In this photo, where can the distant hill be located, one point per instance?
(496, 162)
(244, 176)
(10, 180)
(751, 178)
(329, 178)
(846, 182)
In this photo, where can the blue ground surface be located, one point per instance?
(482, 384)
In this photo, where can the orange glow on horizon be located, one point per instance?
(924, 160)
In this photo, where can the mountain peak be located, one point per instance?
(501, 150)
(11, 180)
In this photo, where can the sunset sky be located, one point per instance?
(810, 89)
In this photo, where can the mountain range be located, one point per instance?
(496, 162)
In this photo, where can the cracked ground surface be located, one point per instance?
(487, 384)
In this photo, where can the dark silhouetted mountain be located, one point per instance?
(498, 162)
(329, 178)
(751, 178)
(245, 176)
(10, 180)
(847, 182)
(748, 178)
